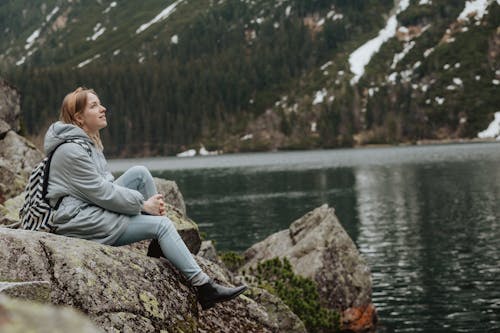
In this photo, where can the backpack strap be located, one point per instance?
(46, 172)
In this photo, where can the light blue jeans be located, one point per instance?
(143, 227)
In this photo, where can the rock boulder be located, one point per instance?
(171, 192)
(24, 316)
(18, 156)
(10, 105)
(32, 290)
(119, 289)
(319, 248)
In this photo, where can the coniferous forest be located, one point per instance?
(213, 72)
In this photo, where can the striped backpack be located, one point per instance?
(36, 213)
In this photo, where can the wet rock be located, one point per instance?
(319, 248)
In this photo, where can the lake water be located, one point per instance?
(426, 218)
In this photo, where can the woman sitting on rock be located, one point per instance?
(96, 207)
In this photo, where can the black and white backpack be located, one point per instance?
(36, 213)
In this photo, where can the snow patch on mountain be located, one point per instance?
(51, 14)
(319, 96)
(111, 5)
(98, 31)
(34, 36)
(362, 55)
(474, 8)
(493, 129)
(88, 61)
(160, 17)
(399, 56)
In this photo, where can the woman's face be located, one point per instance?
(93, 117)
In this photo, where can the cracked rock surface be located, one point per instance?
(120, 289)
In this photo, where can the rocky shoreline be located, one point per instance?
(99, 288)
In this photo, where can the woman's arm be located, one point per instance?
(79, 171)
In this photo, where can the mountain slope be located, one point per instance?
(278, 74)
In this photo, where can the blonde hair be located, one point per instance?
(74, 103)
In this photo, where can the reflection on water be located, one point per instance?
(425, 218)
(432, 237)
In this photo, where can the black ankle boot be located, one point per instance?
(210, 293)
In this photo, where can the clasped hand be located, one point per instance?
(154, 205)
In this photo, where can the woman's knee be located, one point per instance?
(140, 171)
(166, 226)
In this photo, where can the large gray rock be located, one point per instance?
(121, 290)
(22, 316)
(18, 156)
(21, 153)
(4, 128)
(32, 290)
(208, 251)
(319, 248)
(171, 192)
(11, 182)
(10, 105)
(278, 313)
(9, 211)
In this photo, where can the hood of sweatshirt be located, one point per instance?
(59, 132)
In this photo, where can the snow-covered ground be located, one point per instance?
(163, 15)
(362, 56)
(477, 7)
(88, 61)
(493, 130)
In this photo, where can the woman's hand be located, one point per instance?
(154, 205)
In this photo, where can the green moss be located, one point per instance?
(136, 267)
(151, 304)
(299, 293)
(91, 282)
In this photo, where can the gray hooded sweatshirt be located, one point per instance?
(93, 207)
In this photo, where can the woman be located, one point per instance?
(97, 208)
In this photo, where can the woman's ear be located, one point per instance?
(79, 119)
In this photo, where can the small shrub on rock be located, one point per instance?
(299, 293)
(232, 260)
